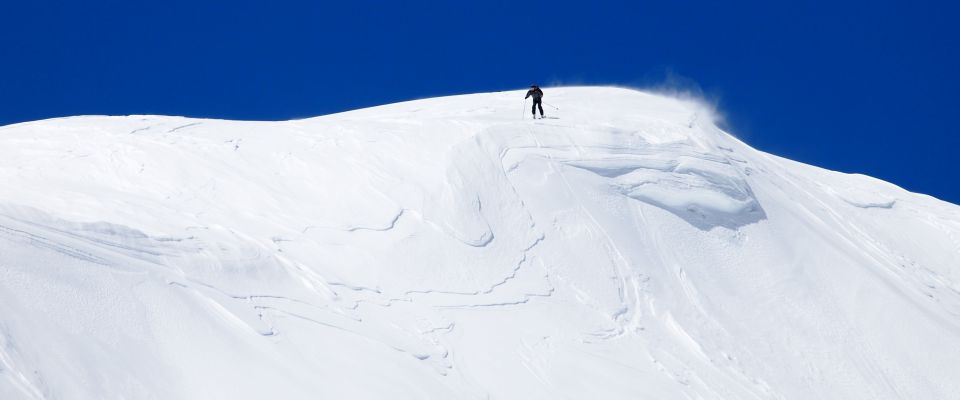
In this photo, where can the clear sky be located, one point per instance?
(866, 87)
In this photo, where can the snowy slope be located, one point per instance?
(446, 248)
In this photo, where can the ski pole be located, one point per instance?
(523, 110)
(554, 107)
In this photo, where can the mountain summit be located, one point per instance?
(624, 247)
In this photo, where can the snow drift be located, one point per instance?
(447, 248)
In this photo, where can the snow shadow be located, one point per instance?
(704, 191)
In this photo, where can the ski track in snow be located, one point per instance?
(444, 248)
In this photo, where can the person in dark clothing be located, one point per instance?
(537, 100)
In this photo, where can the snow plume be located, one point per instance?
(671, 83)
(624, 247)
(665, 82)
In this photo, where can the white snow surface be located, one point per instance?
(449, 249)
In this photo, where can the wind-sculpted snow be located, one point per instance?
(702, 189)
(446, 248)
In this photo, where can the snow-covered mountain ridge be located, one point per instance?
(454, 248)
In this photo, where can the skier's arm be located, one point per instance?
(529, 92)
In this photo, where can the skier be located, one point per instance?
(537, 100)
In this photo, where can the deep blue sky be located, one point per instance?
(866, 87)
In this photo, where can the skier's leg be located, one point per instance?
(533, 109)
(540, 105)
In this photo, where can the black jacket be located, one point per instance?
(536, 93)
